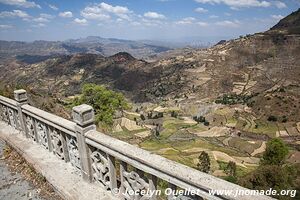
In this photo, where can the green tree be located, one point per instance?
(276, 152)
(204, 162)
(272, 173)
(270, 176)
(104, 101)
(231, 168)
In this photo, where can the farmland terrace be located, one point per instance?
(107, 165)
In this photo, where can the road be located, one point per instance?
(12, 185)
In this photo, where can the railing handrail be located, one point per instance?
(171, 171)
(60, 123)
(8, 102)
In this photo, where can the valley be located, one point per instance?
(227, 100)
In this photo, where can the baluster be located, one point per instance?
(11, 119)
(152, 183)
(133, 184)
(1, 112)
(64, 142)
(34, 121)
(14, 121)
(42, 132)
(123, 169)
(18, 122)
(56, 142)
(50, 147)
(153, 186)
(6, 114)
(173, 187)
(73, 151)
(112, 172)
(141, 176)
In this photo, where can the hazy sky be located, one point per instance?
(139, 19)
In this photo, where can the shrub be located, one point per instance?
(284, 119)
(231, 99)
(149, 115)
(231, 179)
(206, 123)
(199, 119)
(160, 115)
(270, 176)
(272, 118)
(204, 162)
(231, 168)
(276, 152)
(174, 114)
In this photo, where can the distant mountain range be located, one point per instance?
(92, 44)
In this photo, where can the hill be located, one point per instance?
(227, 100)
(260, 70)
(91, 44)
(289, 24)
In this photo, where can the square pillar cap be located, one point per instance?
(20, 95)
(83, 115)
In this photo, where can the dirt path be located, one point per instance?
(13, 185)
(261, 149)
(221, 156)
(214, 132)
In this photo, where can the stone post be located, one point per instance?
(21, 98)
(83, 116)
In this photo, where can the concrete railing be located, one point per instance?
(118, 167)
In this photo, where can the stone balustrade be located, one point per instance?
(112, 164)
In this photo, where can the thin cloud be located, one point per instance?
(228, 23)
(151, 22)
(187, 20)
(154, 15)
(53, 7)
(191, 21)
(202, 23)
(280, 4)
(14, 14)
(235, 4)
(20, 3)
(5, 26)
(201, 10)
(39, 25)
(213, 16)
(104, 11)
(82, 22)
(277, 17)
(43, 18)
(66, 14)
(40, 19)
